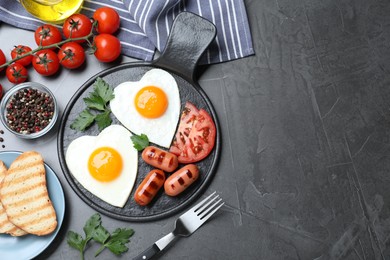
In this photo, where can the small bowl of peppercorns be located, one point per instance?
(29, 110)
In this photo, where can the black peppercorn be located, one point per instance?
(29, 111)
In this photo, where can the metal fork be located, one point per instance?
(186, 224)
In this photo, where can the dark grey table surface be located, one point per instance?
(305, 164)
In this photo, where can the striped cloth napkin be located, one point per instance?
(145, 24)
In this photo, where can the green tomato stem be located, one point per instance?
(55, 45)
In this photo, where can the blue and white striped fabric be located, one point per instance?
(145, 24)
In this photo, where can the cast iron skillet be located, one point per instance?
(190, 36)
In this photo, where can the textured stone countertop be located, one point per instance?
(305, 124)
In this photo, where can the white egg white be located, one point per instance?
(159, 130)
(115, 192)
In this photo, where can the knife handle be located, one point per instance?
(148, 253)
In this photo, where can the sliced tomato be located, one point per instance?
(195, 137)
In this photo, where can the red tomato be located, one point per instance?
(19, 51)
(108, 20)
(1, 91)
(46, 35)
(16, 73)
(107, 47)
(2, 59)
(77, 25)
(46, 62)
(195, 137)
(71, 55)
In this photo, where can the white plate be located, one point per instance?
(29, 246)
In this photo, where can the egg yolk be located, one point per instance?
(151, 102)
(105, 164)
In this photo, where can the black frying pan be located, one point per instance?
(190, 36)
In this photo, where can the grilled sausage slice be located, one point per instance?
(161, 159)
(181, 179)
(149, 187)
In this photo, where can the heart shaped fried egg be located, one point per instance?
(149, 106)
(106, 165)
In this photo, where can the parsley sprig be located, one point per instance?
(97, 101)
(93, 229)
(140, 142)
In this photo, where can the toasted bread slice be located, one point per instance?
(7, 226)
(24, 195)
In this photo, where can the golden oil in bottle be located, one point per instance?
(52, 11)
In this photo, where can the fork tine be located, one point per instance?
(200, 204)
(205, 203)
(208, 206)
(212, 210)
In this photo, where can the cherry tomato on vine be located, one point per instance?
(19, 51)
(71, 55)
(77, 25)
(107, 47)
(46, 35)
(2, 59)
(108, 20)
(46, 62)
(16, 73)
